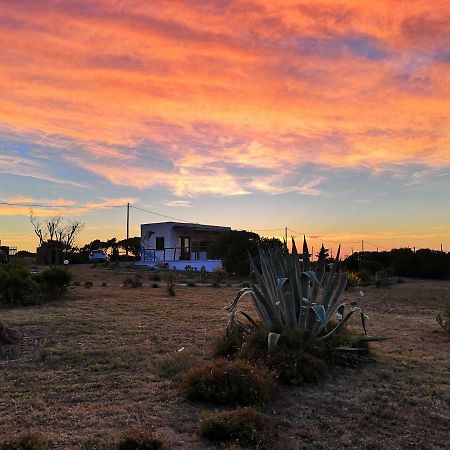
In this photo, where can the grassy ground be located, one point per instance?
(89, 367)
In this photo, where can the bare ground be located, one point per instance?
(87, 368)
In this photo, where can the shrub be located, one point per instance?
(366, 278)
(229, 343)
(17, 286)
(245, 426)
(155, 285)
(227, 383)
(133, 282)
(218, 276)
(54, 281)
(76, 283)
(104, 284)
(170, 282)
(353, 280)
(191, 283)
(88, 284)
(172, 366)
(154, 277)
(444, 319)
(138, 440)
(295, 359)
(25, 442)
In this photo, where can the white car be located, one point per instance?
(98, 255)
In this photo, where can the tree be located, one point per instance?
(134, 245)
(56, 237)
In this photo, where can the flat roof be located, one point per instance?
(190, 226)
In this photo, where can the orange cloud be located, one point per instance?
(113, 86)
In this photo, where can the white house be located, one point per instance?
(176, 245)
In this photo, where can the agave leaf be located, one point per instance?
(340, 325)
(321, 314)
(272, 340)
(305, 257)
(249, 318)
(312, 276)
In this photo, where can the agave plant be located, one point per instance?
(288, 294)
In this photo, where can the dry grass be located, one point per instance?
(89, 366)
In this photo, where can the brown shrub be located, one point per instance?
(227, 383)
(244, 426)
(26, 441)
(138, 440)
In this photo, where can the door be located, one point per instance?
(185, 244)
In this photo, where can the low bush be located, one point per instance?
(25, 442)
(244, 426)
(17, 287)
(170, 282)
(295, 359)
(155, 285)
(54, 281)
(353, 280)
(191, 283)
(133, 282)
(138, 440)
(228, 344)
(88, 284)
(444, 319)
(218, 276)
(173, 366)
(227, 383)
(154, 277)
(366, 278)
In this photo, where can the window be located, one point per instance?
(160, 243)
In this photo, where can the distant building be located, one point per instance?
(177, 244)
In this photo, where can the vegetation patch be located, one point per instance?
(245, 427)
(8, 342)
(133, 282)
(227, 383)
(444, 319)
(171, 278)
(173, 366)
(139, 440)
(25, 442)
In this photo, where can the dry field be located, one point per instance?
(88, 368)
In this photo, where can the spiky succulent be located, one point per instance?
(288, 294)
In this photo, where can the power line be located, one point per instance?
(36, 205)
(161, 215)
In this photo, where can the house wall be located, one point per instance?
(159, 230)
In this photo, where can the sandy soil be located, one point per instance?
(88, 367)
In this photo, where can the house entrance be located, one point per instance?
(185, 245)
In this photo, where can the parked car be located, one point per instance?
(98, 256)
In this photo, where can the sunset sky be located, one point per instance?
(329, 117)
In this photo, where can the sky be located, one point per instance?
(329, 117)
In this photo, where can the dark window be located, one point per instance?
(160, 243)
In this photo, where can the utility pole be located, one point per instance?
(285, 235)
(128, 228)
(362, 246)
(312, 254)
(441, 248)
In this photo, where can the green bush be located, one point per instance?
(191, 283)
(171, 278)
(25, 442)
(244, 426)
(17, 287)
(154, 277)
(138, 440)
(353, 280)
(227, 383)
(88, 284)
(54, 282)
(155, 285)
(295, 359)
